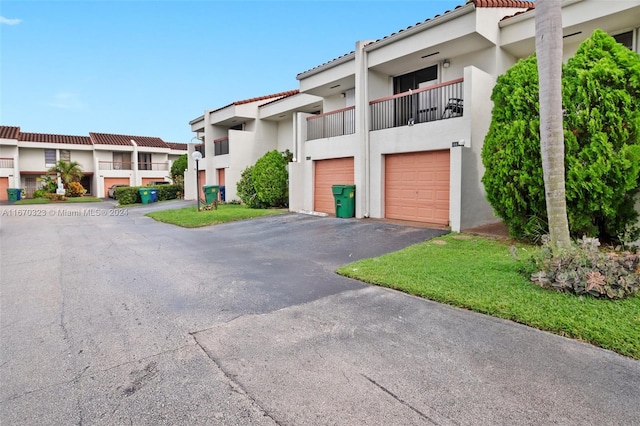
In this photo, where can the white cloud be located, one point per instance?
(8, 21)
(66, 100)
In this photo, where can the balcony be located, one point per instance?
(6, 163)
(114, 165)
(432, 103)
(335, 123)
(152, 166)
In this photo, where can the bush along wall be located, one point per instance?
(131, 194)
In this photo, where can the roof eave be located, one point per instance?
(328, 65)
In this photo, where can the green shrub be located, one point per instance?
(131, 194)
(40, 193)
(270, 179)
(584, 269)
(178, 167)
(601, 97)
(169, 192)
(127, 195)
(247, 192)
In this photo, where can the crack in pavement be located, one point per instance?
(403, 402)
(77, 377)
(234, 384)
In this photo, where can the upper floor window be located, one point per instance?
(65, 155)
(200, 149)
(221, 147)
(49, 157)
(415, 80)
(144, 161)
(625, 39)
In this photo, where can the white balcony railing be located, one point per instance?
(432, 103)
(114, 165)
(153, 166)
(330, 124)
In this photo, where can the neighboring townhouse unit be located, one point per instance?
(237, 135)
(404, 117)
(105, 159)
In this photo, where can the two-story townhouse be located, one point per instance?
(404, 117)
(235, 136)
(105, 159)
(412, 110)
(130, 160)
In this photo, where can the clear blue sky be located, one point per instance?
(147, 68)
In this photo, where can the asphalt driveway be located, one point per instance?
(122, 320)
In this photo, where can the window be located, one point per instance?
(625, 39)
(144, 161)
(200, 149)
(413, 80)
(121, 161)
(65, 155)
(221, 147)
(49, 157)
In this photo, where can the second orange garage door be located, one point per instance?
(417, 187)
(337, 171)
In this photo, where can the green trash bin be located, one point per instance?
(145, 195)
(14, 194)
(210, 193)
(345, 200)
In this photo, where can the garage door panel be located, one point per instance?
(109, 182)
(4, 185)
(417, 186)
(338, 171)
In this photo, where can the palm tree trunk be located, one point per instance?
(549, 54)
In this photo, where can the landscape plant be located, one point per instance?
(601, 101)
(246, 191)
(270, 179)
(177, 169)
(68, 171)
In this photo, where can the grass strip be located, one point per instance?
(189, 217)
(481, 274)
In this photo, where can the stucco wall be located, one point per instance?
(475, 210)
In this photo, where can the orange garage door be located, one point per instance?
(337, 171)
(108, 182)
(4, 185)
(417, 186)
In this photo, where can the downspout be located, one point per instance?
(362, 83)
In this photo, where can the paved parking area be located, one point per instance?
(118, 319)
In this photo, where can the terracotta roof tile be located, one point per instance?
(476, 3)
(504, 3)
(260, 98)
(125, 140)
(177, 145)
(9, 132)
(48, 138)
(292, 93)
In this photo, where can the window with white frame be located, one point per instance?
(49, 157)
(144, 161)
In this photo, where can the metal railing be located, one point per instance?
(432, 103)
(330, 124)
(152, 166)
(6, 163)
(114, 165)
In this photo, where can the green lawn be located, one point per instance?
(189, 217)
(47, 201)
(481, 275)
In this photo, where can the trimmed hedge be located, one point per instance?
(131, 194)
